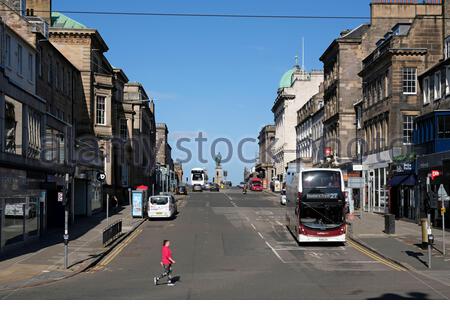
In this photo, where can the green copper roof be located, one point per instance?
(286, 79)
(61, 21)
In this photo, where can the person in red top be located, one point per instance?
(166, 263)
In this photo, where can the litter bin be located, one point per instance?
(389, 224)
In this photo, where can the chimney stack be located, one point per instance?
(40, 8)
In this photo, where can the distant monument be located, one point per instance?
(218, 178)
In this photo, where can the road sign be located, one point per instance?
(443, 196)
(355, 182)
(443, 211)
(101, 177)
(60, 196)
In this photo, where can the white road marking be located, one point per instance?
(275, 252)
(262, 237)
(279, 223)
(253, 226)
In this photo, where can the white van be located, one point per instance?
(162, 206)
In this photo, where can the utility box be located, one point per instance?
(389, 224)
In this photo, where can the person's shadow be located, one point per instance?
(410, 296)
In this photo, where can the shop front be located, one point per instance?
(22, 210)
(375, 177)
(402, 191)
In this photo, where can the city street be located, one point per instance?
(233, 246)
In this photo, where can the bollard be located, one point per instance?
(424, 224)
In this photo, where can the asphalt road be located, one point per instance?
(233, 246)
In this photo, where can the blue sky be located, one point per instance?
(214, 75)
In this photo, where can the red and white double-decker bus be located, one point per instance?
(256, 184)
(316, 205)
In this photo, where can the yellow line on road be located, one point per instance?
(113, 254)
(375, 256)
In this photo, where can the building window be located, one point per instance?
(123, 129)
(55, 150)
(19, 59)
(426, 90)
(50, 70)
(444, 127)
(63, 80)
(408, 126)
(57, 79)
(101, 110)
(447, 48)
(34, 135)
(8, 50)
(409, 80)
(10, 128)
(39, 62)
(30, 67)
(447, 81)
(437, 85)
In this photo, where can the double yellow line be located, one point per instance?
(376, 257)
(114, 253)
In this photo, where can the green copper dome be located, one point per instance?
(286, 79)
(61, 21)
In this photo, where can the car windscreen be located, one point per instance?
(197, 177)
(257, 183)
(160, 201)
(321, 179)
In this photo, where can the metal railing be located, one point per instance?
(112, 232)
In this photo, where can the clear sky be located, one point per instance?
(214, 75)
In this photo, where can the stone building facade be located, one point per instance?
(265, 166)
(35, 140)
(344, 90)
(309, 131)
(296, 88)
(139, 116)
(165, 163)
(431, 136)
(390, 104)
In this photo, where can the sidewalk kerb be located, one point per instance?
(85, 268)
(366, 246)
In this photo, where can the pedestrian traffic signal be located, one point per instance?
(435, 174)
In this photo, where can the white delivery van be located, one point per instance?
(162, 206)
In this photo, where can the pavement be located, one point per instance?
(43, 262)
(405, 246)
(233, 246)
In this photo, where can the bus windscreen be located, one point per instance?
(321, 179)
(322, 200)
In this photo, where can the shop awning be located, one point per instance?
(402, 180)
